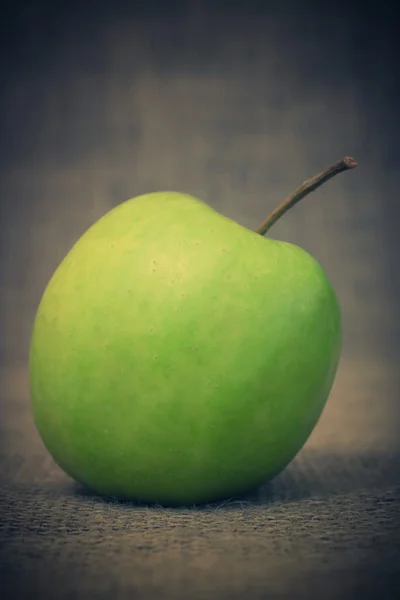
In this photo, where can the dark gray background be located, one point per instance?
(237, 105)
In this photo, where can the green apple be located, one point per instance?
(180, 358)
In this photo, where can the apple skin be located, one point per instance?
(178, 357)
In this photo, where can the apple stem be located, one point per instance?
(306, 188)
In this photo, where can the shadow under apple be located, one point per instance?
(313, 473)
